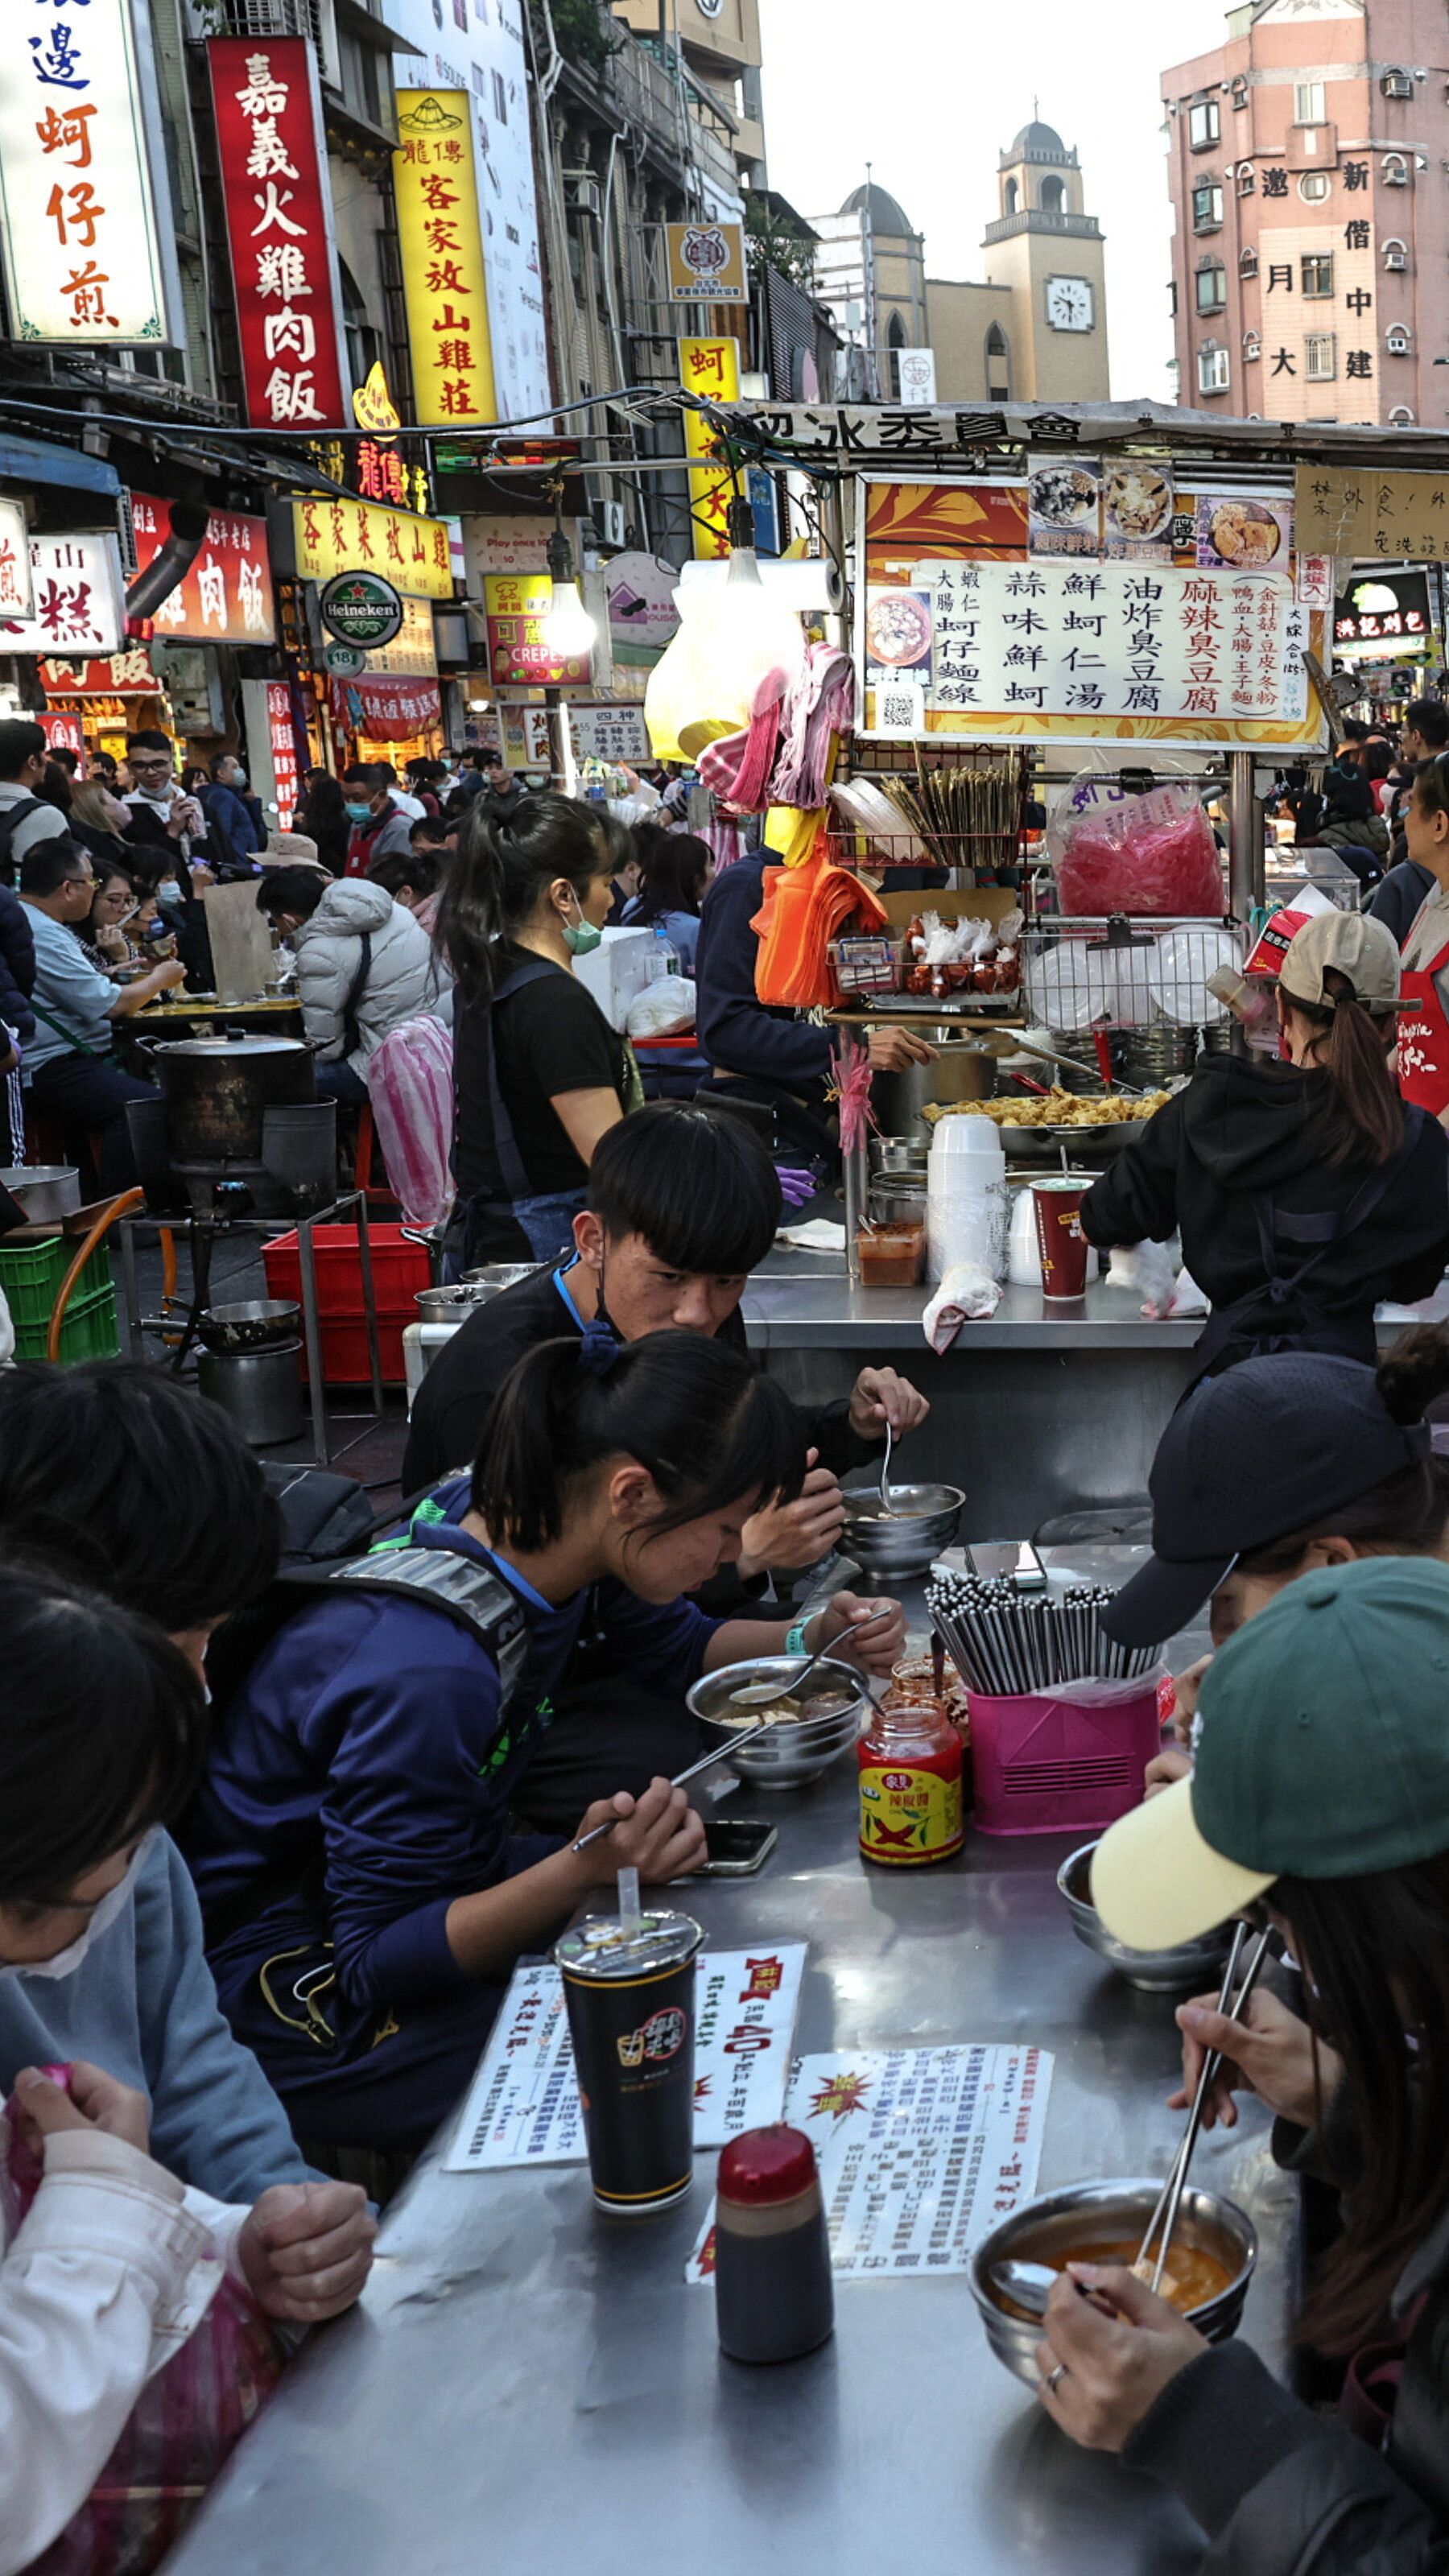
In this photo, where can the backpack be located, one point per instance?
(13, 814)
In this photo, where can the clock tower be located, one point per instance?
(1049, 254)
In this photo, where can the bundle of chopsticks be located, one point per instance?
(967, 817)
(1006, 1643)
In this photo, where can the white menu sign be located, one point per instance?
(523, 2106)
(78, 605)
(83, 220)
(920, 2151)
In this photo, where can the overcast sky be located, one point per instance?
(932, 91)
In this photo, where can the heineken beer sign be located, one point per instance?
(361, 608)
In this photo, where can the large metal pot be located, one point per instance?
(217, 1090)
(45, 1190)
(960, 1071)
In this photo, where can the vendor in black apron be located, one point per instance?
(1304, 1191)
(539, 1074)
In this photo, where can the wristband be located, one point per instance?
(795, 1639)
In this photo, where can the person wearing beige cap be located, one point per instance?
(1305, 1190)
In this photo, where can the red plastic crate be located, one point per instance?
(399, 1269)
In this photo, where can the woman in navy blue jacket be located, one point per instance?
(364, 1896)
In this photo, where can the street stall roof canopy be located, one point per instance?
(38, 460)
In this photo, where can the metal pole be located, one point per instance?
(852, 1168)
(832, 530)
(1246, 884)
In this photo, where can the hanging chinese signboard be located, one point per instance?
(120, 675)
(706, 263)
(226, 597)
(15, 595)
(79, 610)
(335, 536)
(63, 732)
(519, 653)
(710, 368)
(1383, 613)
(1350, 511)
(412, 653)
(442, 256)
(964, 630)
(387, 710)
(279, 229)
(85, 229)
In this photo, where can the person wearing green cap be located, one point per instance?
(1322, 1794)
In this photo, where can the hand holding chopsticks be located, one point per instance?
(1169, 2199)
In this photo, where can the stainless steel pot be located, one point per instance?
(44, 1190)
(960, 1071)
(217, 1091)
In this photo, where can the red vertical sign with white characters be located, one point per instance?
(279, 229)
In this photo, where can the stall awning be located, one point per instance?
(387, 709)
(37, 460)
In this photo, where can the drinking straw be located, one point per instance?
(630, 1911)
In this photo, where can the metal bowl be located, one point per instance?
(451, 1305)
(898, 1157)
(1083, 1144)
(786, 1756)
(490, 1276)
(46, 1191)
(921, 1523)
(257, 1324)
(1153, 1972)
(1094, 2212)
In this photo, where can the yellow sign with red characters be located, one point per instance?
(332, 536)
(436, 187)
(711, 369)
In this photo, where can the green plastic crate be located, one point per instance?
(30, 1275)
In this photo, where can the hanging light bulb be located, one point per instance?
(568, 629)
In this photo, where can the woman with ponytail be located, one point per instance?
(1304, 1191)
(365, 1896)
(539, 1074)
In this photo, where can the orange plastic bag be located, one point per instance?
(802, 911)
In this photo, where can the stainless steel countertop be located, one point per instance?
(528, 2386)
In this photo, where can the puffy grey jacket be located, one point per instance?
(404, 978)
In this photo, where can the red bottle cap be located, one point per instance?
(766, 2165)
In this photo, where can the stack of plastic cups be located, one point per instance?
(966, 1201)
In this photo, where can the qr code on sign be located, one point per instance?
(900, 710)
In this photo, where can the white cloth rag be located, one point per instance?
(967, 1293)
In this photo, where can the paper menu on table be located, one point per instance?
(523, 2105)
(920, 2151)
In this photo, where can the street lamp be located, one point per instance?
(568, 629)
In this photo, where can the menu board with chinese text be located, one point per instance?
(965, 629)
(1350, 511)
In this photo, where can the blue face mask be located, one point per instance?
(238, 779)
(359, 813)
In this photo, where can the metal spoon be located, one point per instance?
(759, 1694)
(1030, 2285)
(885, 1492)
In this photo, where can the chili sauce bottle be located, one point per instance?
(912, 1809)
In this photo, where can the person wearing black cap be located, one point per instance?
(1285, 1465)
(1305, 1191)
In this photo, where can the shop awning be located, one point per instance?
(37, 460)
(387, 709)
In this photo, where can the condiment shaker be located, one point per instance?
(774, 2298)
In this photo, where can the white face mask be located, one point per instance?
(66, 1962)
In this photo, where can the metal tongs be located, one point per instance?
(1169, 2199)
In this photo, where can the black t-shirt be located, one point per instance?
(549, 1037)
(451, 1405)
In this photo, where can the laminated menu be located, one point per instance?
(920, 2151)
(523, 2105)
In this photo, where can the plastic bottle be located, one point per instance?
(595, 782)
(912, 1807)
(666, 955)
(774, 2298)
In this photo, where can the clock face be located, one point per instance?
(1069, 303)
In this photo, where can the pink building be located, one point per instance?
(1311, 195)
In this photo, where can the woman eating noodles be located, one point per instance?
(1304, 1191)
(539, 1074)
(1322, 1794)
(364, 1896)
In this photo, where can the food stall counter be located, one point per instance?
(530, 2384)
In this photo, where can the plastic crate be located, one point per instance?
(399, 1270)
(31, 1274)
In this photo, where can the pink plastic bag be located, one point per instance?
(1151, 853)
(183, 2426)
(410, 1082)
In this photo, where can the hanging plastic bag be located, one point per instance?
(410, 1083)
(664, 1009)
(181, 2430)
(1118, 852)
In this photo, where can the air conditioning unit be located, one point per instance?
(1397, 84)
(582, 193)
(610, 517)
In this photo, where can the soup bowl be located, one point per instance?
(1153, 1972)
(789, 1752)
(1064, 2224)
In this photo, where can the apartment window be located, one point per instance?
(1313, 187)
(1320, 357)
(998, 365)
(1248, 262)
(1247, 178)
(1172, 297)
(1203, 124)
(1395, 170)
(1401, 417)
(1212, 287)
(1308, 103)
(1318, 272)
(500, 98)
(1399, 343)
(1252, 347)
(1396, 254)
(1212, 368)
(1207, 207)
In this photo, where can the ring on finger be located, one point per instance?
(1055, 2377)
